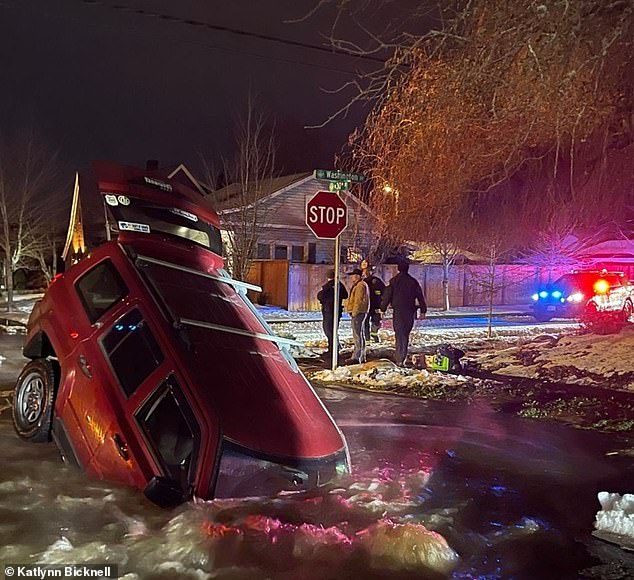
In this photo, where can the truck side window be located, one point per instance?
(100, 289)
(132, 350)
(172, 431)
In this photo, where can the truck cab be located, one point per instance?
(150, 367)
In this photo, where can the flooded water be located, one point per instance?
(436, 491)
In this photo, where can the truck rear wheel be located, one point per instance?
(33, 400)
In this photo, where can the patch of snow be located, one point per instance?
(607, 356)
(617, 514)
(384, 373)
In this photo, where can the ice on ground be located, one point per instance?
(579, 354)
(407, 546)
(616, 515)
(383, 373)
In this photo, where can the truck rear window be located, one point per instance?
(100, 289)
(145, 217)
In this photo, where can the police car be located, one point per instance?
(585, 294)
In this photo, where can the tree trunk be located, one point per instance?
(491, 293)
(445, 284)
(54, 260)
(8, 280)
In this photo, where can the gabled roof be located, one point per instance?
(231, 198)
(173, 173)
(75, 246)
(611, 249)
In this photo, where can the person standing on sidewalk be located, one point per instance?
(358, 306)
(326, 297)
(376, 287)
(405, 296)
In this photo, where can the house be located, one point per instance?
(280, 224)
(616, 255)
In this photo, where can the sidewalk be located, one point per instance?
(274, 314)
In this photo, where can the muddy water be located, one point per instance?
(509, 498)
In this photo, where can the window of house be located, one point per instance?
(312, 253)
(100, 289)
(132, 350)
(281, 252)
(263, 252)
(297, 254)
(172, 431)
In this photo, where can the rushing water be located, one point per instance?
(508, 498)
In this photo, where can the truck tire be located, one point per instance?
(33, 400)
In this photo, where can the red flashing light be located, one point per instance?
(601, 286)
(73, 334)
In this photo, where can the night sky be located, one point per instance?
(104, 83)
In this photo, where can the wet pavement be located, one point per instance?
(514, 498)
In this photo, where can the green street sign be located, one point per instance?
(334, 175)
(338, 185)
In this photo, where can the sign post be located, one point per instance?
(327, 217)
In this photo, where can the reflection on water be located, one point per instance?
(467, 501)
(52, 514)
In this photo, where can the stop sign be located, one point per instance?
(326, 215)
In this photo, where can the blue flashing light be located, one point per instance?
(132, 326)
(119, 327)
(535, 296)
(543, 294)
(556, 294)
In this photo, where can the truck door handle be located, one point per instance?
(84, 366)
(122, 446)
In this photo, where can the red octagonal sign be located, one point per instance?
(326, 215)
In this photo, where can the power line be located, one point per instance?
(215, 27)
(205, 45)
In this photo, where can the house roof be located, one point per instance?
(230, 197)
(611, 249)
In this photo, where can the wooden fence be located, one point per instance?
(295, 286)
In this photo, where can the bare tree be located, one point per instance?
(28, 195)
(45, 256)
(491, 88)
(249, 175)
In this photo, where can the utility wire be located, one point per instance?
(207, 46)
(201, 24)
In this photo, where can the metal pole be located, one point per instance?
(335, 322)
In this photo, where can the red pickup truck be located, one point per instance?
(150, 367)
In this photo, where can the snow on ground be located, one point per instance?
(426, 333)
(278, 314)
(615, 521)
(582, 358)
(384, 373)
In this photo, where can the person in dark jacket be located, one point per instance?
(405, 296)
(326, 297)
(377, 287)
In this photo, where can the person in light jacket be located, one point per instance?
(358, 305)
(377, 287)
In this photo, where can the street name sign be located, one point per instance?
(326, 215)
(335, 175)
